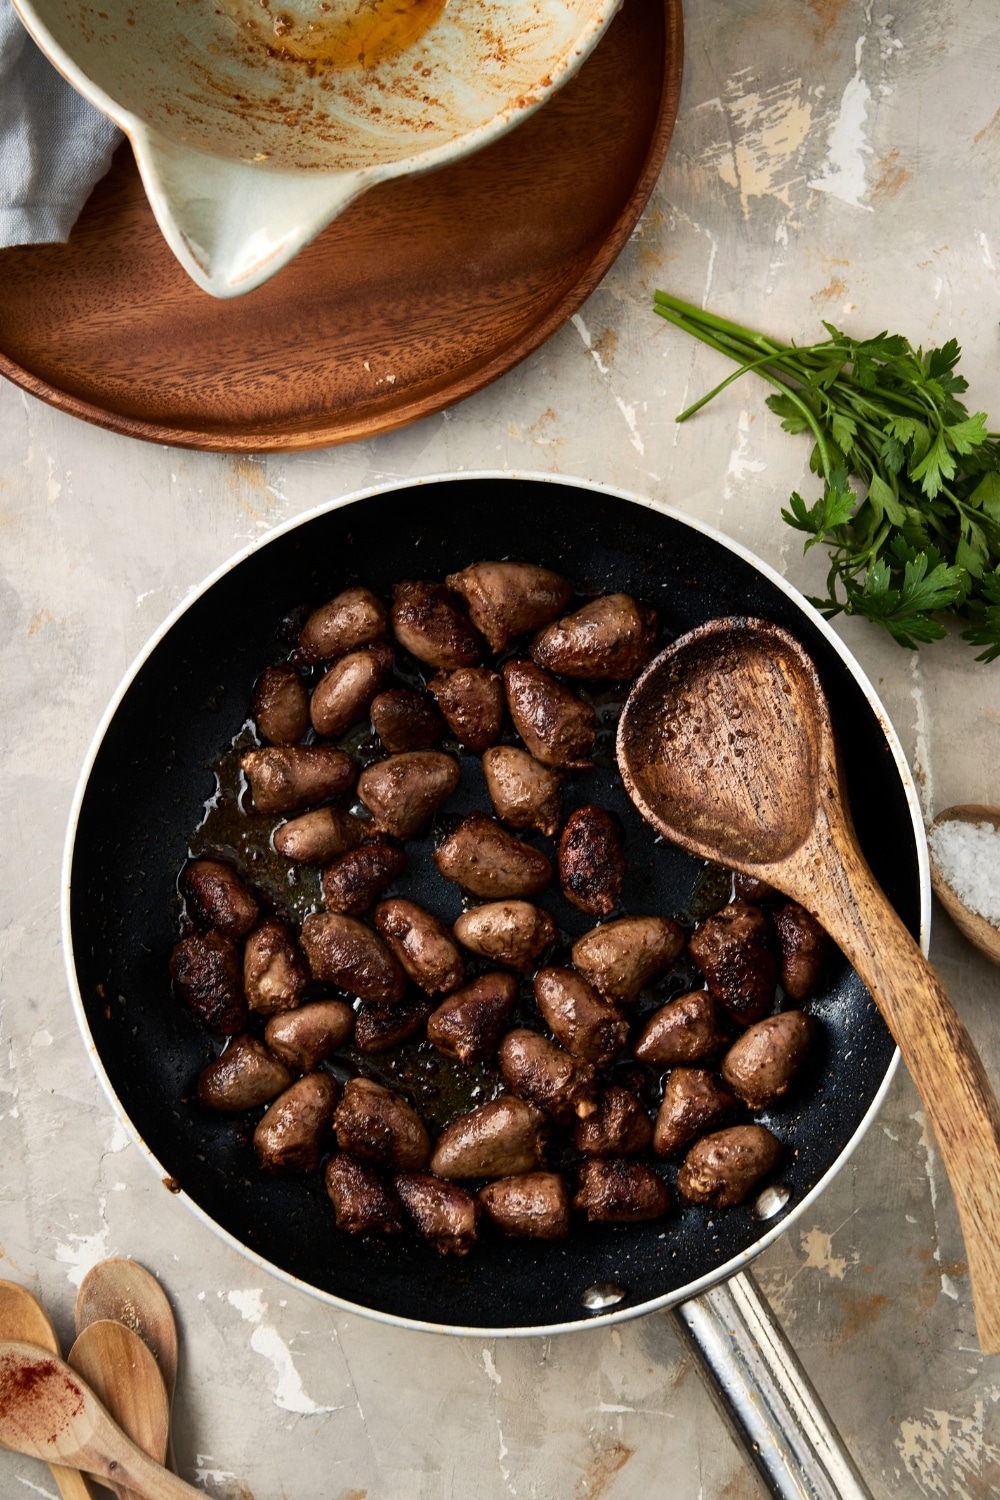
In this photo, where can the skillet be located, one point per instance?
(150, 774)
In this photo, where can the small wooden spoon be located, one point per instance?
(49, 1412)
(726, 747)
(128, 1293)
(22, 1317)
(126, 1379)
(981, 933)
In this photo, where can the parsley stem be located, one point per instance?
(722, 341)
(700, 318)
(918, 530)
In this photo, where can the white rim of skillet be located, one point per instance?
(729, 1267)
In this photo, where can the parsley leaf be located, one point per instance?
(910, 504)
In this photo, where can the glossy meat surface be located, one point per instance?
(735, 950)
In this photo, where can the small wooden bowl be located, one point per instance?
(981, 933)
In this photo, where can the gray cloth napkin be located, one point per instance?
(54, 146)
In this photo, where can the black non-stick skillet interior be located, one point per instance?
(153, 774)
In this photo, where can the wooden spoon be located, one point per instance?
(726, 747)
(983, 934)
(126, 1379)
(128, 1293)
(49, 1412)
(22, 1317)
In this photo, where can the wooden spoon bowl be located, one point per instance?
(726, 746)
(126, 1379)
(127, 1293)
(24, 1319)
(980, 932)
(49, 1412)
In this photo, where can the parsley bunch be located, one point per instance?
(910, 510)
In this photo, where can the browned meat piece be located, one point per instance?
(208, 977)
(534, 1205)
(342, 696)
(540, 1073)
(275, 971)
(293, 1134)
(281, 705)
(423, 945)
(693, 1103)
(343, 951)
(524, 793)
(218, 898)
(468, 1024)
(619, 1126)
(805, 950)
(620, 957)
(762, 1064)
(734, 949)
(379, 1027)
(373, 1122)
(496, 1140)
(610, 638)
(430, 622)
(507, 932)
(302, 1038)
(557, 726)
(507, 599)
(587, 1025)
(749, 888)
(245, 1076)
(364, 1203)
(284, 779)
(354, 618)
(405, 790)
(472, 703)
(721, 1169)
(441, 1212)
(615, 1191)
(353, 881)
(315, 838)
(688, 1030)
(592, 861)
(405, 720)
(486, 860)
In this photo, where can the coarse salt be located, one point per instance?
(968, 858)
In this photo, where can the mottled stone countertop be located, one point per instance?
(832, 159)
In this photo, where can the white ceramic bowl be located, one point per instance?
(254, 122)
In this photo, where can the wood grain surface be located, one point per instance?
(124, 1376)
(727, 747)
(24, 1319)
(421, 293)
(49, 1412)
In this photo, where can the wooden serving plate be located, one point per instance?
(422, 292)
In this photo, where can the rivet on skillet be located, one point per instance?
(601, 1295)
(771, 1201)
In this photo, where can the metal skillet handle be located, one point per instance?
(756, 1380)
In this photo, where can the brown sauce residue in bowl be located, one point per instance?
(335, 34)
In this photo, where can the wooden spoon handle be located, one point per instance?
(70, 1483)
(149, 1480)
(943, 1062)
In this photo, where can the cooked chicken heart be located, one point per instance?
(610, 638)
(524, 793)
(507, 599)
(468, 1025)
(557, 727)
(486, 860)
(373, 1122)
(495, 1140)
